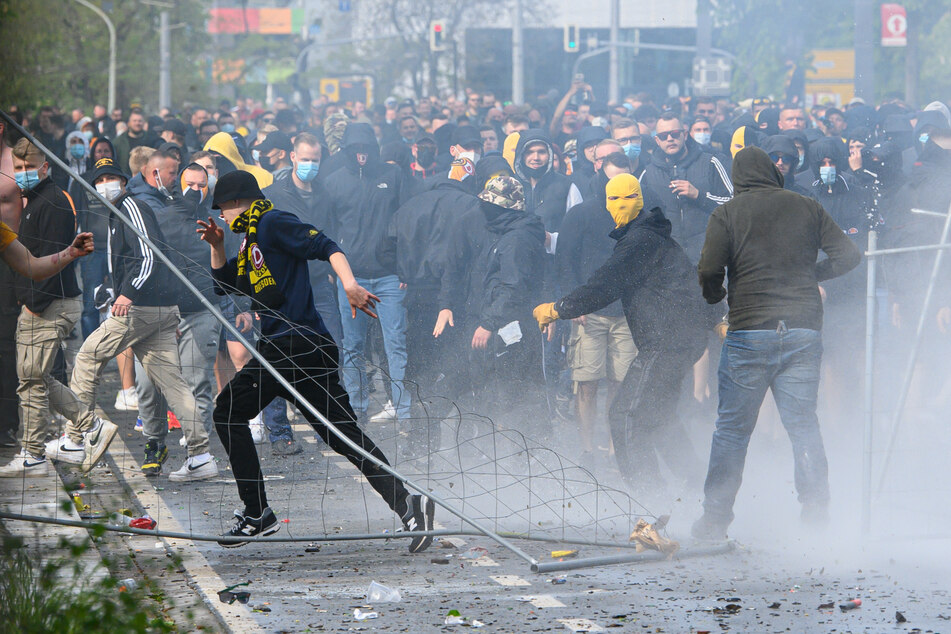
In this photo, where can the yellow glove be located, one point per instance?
(545, 314)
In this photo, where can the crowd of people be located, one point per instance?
(463, 221)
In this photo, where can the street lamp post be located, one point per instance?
(112, 51)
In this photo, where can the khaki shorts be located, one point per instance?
(602, 348)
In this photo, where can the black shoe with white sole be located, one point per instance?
(247, 526)
(419, 516)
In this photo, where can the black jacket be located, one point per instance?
(688, 217)
(310, 208)
(136, 271)
(768, 240)
(548, 199)
(419, 236)
(585, 243)
(361, 201)
(47, 226)
(652, 276)
(513, 268)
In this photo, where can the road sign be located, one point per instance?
(894, 25)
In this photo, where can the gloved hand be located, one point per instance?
(545, 314)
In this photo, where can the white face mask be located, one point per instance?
(472, 156)
(110, 190)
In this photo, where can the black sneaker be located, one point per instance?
(251, 527)
(155, 457)
(419, 517)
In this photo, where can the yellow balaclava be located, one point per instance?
(508, 148)
(624, 199)
(738, 142)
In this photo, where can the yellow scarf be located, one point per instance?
(254, 277)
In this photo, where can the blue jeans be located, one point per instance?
(392, 314)
(275, 419)
(93, 268)
(786, 362)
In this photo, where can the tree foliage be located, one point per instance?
(57, 52)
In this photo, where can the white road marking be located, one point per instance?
(509, 580)
(544, 601)
(581, 625)
(237, 616)
(327, 453)
(484, 561)
(345, 465)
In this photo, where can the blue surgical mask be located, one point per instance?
(77, 150)
(924, 138)
(307, 170)
(88, 135)
(228, 127)
(703, 138)
(256, 155)
(632, 150)
(827, 174)
(27, 180)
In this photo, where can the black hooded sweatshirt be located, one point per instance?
(548, 199)
(785, 145)
(585, 243)
(361, 201)
(92, 215)
(513, 264)
(652, 276)
(768, 240)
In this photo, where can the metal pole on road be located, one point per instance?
(111, 100)
(518, 64)
(613, 70)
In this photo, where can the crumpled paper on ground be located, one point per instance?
(647, 537)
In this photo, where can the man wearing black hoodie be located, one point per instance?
(548, 194)
(768, 240)
(652, 277)
(362, 197)
(782, 151)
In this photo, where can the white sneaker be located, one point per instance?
(182, 442)
(195, 468)
(127, 400)
(96, 441)
(387, 413)
(25, 465)
(65, 450)
(258, 430)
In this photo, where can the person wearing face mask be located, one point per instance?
(361, 199)
(144, 317)
(77, 149)
(176, 218)
(424, 158)
(628, 134)
(293, 338)
(48, 311)
(274, 153)
(649, 272)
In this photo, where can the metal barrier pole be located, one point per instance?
(869, 384)
(257, 355)
(910, 370)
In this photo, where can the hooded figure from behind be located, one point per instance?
(650, 273)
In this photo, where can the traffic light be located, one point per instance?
(571, 38)
(437, 36)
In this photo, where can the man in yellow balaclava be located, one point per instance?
(653, 277)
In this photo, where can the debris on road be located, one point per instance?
(646, 537)
(827, 606)
(851, 604)
(900, 618)
(229, 596)
(362, 615)
(379, 593)
(563, 554)
(474, 553)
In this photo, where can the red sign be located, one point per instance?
(894, 25)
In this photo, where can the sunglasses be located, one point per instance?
(673, 134)
(229, 596)
(776, 157)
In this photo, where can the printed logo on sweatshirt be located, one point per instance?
(382, 186)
